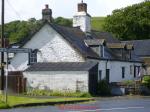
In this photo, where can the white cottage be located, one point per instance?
(74, 58)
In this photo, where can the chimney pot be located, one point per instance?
(46, 6)
(47, 14)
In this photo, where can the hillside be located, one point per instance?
(97, 23)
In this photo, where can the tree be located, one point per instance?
(63, 21)
(132, 22)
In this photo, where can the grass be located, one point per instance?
(35, 92)
(97, 23)
(17, 100)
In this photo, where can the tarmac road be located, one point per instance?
(117, 104)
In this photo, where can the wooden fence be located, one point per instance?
(16, 82)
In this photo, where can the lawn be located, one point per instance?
(16, 100)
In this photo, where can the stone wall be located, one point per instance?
(58, 80)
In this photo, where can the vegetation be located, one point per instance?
(16, 100)
(3, 105)
(146, 81)
(132, 22)
(63, 21)
(56, 93)
(128, 82)
(18, 30)
(104, 88)
(97, 23)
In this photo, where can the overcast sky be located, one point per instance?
(25, 9)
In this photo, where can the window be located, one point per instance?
(33, 57)
(100, 75)
(123, 72)
(131, 69)
(136, 71)
(102, 51)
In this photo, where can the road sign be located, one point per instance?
(16, 50)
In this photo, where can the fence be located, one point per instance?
(16, 82)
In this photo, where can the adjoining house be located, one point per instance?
(76, 56)
(142, 50)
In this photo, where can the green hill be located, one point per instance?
(97, 23)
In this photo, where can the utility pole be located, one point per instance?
(2, 45)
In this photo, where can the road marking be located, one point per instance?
(125, 108)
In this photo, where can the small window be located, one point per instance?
(123, 72)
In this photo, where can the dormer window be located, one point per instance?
(97, 45)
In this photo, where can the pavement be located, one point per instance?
(115, 104)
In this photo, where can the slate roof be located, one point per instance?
(105, 35)
(62, 66)
(116, 45)
(95, 42)
(141, 47)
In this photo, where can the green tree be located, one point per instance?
(63, 21)
(132, 22)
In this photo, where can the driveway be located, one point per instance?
(117, 104)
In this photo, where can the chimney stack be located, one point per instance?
(82, 19)
(47, 14)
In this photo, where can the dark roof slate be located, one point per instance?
(95, 42)
(107, 36)
(141, 47)
(62, 66)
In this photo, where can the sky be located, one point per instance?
(25, 9)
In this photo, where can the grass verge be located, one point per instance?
(16, 101)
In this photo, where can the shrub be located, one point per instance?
(146, 81)
(104, 88)
(128, 82)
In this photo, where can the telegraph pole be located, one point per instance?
(2, 45)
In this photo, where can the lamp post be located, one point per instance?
(2, 45)
(6, 80)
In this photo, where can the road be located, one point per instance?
(116, 104)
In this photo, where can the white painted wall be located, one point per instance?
(82, 20)
(52, 48)
(57, 80)
(116, 70)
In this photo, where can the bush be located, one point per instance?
(146, 81)
(104, 88)
(128, 82)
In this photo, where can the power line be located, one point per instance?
(17, 13)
